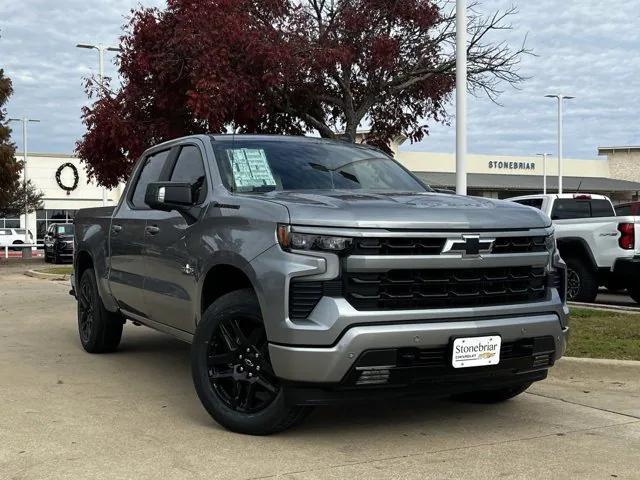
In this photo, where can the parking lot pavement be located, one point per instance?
(134, 414)
(620, 299)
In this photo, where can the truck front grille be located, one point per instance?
(444, 288)
(434, 246)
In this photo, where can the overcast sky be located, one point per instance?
(587, 48)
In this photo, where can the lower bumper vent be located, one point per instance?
(373, 375)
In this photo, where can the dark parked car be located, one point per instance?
(58, 243)
(625, 209)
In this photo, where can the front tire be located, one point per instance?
(582, 282)
(231, 370)
(493, 396)
(100, 330)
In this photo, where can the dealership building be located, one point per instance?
(616, 174)
(65, 187)
(64, 183)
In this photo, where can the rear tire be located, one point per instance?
(231, 370)
(100, 330)
(582, 281)
(493, 396)
(17, 242)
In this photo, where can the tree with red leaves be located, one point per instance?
(287, 66)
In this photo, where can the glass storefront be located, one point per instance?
(44, 218)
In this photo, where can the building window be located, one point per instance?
(9, 222)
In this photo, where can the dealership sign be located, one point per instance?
(500, 165)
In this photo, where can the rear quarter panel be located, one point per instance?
(600, 234)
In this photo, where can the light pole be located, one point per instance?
(101, 49)
(461, 97)
(560, 99)
(25, 121)
(544, 171)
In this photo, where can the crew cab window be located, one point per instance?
(150, 173)
(189, 168)
(531, 202)
(568, 208)
(601, 208)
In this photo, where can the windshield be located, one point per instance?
(249, 165)
(64, 229)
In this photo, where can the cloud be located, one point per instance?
(583, 47)
(37, 51)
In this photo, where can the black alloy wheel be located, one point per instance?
(100, 330)
(86, 301)
(574, 284)
(232, 371)
(238, 362)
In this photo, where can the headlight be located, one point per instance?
(305, 241)
(550, 243)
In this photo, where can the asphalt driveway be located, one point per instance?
(134, 414)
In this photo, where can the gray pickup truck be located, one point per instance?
(306, 271)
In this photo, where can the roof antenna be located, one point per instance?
(579, 185)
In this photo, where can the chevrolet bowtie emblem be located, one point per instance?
(469, 246)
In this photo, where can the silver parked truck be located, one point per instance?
(307, 272)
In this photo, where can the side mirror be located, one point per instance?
(168, 196)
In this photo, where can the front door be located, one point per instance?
(127, 237)
(171, 241)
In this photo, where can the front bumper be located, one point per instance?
(324, 347)
(332, 364)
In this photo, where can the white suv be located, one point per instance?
(13, 236)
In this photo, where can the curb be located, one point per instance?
(605, 308)
(601, 361)
(47, 276)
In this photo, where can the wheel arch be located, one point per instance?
(577, 247)
(83, 260)
(227, 275)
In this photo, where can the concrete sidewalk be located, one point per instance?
(134, 414)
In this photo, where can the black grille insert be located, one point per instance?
(398, 246)
(438, 288)
(519, 245)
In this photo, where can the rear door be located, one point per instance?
(127, 272)
(172, 268)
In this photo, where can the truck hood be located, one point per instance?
(341, 208)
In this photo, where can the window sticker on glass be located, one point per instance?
(250, 168)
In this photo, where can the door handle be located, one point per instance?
(151, 229)
(116, 228)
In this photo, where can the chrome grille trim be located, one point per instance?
(370, 263)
